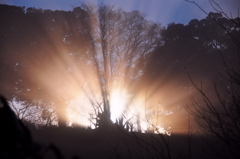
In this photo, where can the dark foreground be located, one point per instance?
(114, 143)
(19, 142)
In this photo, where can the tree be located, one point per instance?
(120, 41)
(219, 115)
(194, 46)
(88, 51)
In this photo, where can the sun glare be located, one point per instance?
(81, 112)
(87, 77)
(118, 101)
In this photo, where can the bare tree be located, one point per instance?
(220, 118)
(120, 41)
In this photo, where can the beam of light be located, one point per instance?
(118, 102)
(78, 77)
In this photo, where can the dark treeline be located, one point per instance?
(196, 46)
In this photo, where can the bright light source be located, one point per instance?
(118, 101)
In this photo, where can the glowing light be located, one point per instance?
(80, 77)
(118, 101)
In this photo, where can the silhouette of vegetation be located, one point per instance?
(16, 140)
(194, 46)
(219, 116)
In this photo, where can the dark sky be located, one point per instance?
(164, 11)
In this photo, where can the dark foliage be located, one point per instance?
(219, 117)
(16, 140)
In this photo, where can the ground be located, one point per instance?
(115, 143)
